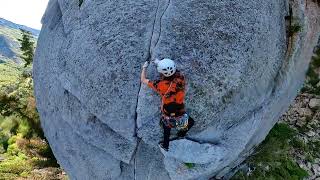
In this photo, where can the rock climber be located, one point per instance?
(171, 88)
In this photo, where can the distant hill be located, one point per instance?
(9, 44)
(9, 24)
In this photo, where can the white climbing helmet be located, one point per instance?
(167, 67)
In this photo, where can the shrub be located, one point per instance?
(294, 28)
(24, 129)
(18, 100)
(15, 165)
(9, 124)
(22, 143)
(298, 144)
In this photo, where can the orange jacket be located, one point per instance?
(172, 92)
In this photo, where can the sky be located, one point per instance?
(25, 12)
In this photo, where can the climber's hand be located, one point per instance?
(156, 61)
(145, 65)
(143, 73)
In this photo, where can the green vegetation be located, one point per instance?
(272, 159)
(9, 74)
(24, 155)
(294, 28)
(312, 149)
(22, 143)
(17, 102)
(27, 47)
(312, 85)
(189, 165)
(23, 147)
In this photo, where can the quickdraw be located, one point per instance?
(179, 123)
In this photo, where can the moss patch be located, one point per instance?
(189, 165)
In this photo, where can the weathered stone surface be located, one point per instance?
(314, 103)
(202, 153)
(73, 151)
(306, 112)
(242, 75)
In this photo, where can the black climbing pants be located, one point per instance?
(166, 132)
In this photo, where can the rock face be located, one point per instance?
(243, 71)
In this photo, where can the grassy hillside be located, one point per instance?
(11, 35)
(9, 74)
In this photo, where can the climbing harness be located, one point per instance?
(179, 123)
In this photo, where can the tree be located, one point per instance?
(27, 47)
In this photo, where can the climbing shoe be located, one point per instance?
(182, 134)
(162, 147)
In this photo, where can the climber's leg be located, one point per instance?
(166, 136)
(190, 123)
(183, 133)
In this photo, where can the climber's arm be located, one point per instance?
(151, 84)
(143, 75)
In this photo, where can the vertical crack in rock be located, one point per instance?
(135, 165)
(136, 114)
(149, 56)
(160, 22)
(288, 23)
(152, 34)
(150, 48)
(148, 59)
(134, 159)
